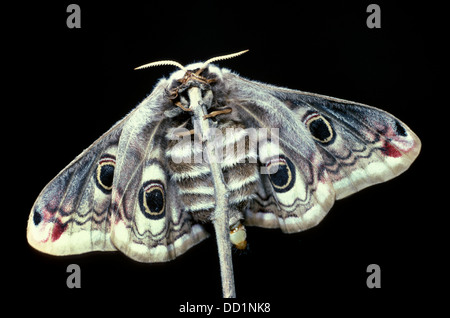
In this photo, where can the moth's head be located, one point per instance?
(196, 74)
(201, 76)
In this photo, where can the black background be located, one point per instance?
(74, 84)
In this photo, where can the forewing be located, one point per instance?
(360, 145)
(71, 215)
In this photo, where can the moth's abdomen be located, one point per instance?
(190, 169)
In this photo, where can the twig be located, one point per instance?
(220, 217)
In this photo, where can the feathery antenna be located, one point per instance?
(159, 63)
(219, 58)
(205, 65)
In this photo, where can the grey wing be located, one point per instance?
(91, 204)
(149, 223)
(72, 213)
(330, 148)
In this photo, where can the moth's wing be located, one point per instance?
(72, 213)
(149, 223)
(360, 145)
(299, 194)
(76, 212)
(338, 147)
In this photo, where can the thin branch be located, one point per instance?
(220, 217)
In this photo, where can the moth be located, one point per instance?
(210, 146)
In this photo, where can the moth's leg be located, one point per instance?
(180, 104)
(217, 112)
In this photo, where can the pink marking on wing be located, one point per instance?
(58, 229)
(390, 150)
(311, 116)
(107, 160)
(277, 160)
(152, 185)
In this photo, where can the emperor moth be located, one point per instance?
(210, 146)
